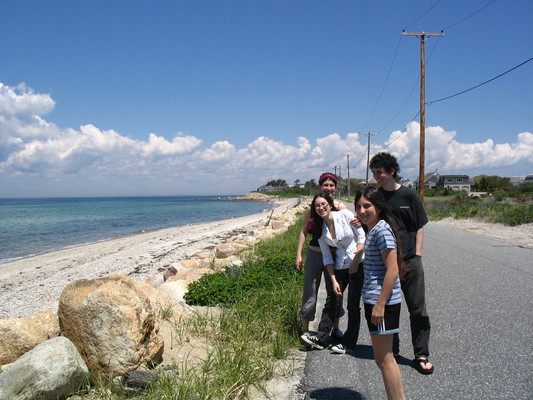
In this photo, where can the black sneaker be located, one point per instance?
(313, 341)
(304, 343)
(339, 349)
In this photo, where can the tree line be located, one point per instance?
(481, 183)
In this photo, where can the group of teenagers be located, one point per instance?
(376, 254)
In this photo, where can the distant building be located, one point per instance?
(455, 182)
(435, 180)
(408, 183)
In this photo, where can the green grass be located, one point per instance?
(508, 211)
(255, 326)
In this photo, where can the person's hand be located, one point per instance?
(337, 288)
(355, 221)
(298, 263)
(378, 313)
(354, 267)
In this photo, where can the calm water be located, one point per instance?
(33, 226)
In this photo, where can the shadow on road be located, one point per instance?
(336, 393)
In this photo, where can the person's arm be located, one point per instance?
(301, 240)
(354, 265)
(391, 263)
(419, 241)
(335, 284)
(339, 205)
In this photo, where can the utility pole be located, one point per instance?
(348, 168)
(368, 152)
(421, 173)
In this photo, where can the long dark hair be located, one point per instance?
(318, 221)
(374, 195)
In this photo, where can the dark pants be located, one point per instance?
(355, 288)
(333, 304)
(414, 292)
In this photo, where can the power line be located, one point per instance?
(428, 10)
(469, 16)
(481, 84)
(384, 85)
(411, 91)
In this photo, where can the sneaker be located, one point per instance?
(313, 341)
(337, 334)
(339, 349)
(304, 343)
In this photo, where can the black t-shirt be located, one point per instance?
(410, 216)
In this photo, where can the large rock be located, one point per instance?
(20, 335)
(53, 369)
(111, 322)
(225, 250)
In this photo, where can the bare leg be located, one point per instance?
(382, 345)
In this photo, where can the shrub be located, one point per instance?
(272, 264)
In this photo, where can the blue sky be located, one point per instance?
(155, 97)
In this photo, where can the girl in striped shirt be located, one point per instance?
(381, 288)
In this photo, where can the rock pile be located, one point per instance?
(110, 326)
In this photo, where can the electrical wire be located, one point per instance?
(384, 86)
(412, 89)
(469, 16)
(481, 84)
(428, 10)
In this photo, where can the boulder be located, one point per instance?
(225, 250)
(20, 335)
(111, 322)
(53, 369)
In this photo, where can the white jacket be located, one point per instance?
(346, 241)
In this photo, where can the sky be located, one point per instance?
(145, 98)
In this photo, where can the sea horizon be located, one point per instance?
(33, 226)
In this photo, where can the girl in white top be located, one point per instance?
(346, 240)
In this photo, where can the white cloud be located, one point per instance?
(39, 158)
(448, 155)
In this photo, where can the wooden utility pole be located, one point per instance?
(368, 152)
(348, 168)
(421, 172)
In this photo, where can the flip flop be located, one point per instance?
(420, 363)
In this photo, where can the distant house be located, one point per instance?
(408, 183)
(435, 180)
(430, 180)
(455, 182)
(517, 180)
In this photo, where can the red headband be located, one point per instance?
(323, 177)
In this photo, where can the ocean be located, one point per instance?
(35, 226)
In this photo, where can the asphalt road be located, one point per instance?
(479, 295)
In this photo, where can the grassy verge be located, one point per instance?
(253, 325)
(509, 211)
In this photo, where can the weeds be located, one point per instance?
(507, 211)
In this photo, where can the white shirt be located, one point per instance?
(346, 241)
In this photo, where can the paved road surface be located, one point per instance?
(479, 293)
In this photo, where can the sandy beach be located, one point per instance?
(35, 283)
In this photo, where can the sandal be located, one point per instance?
(420, 363)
